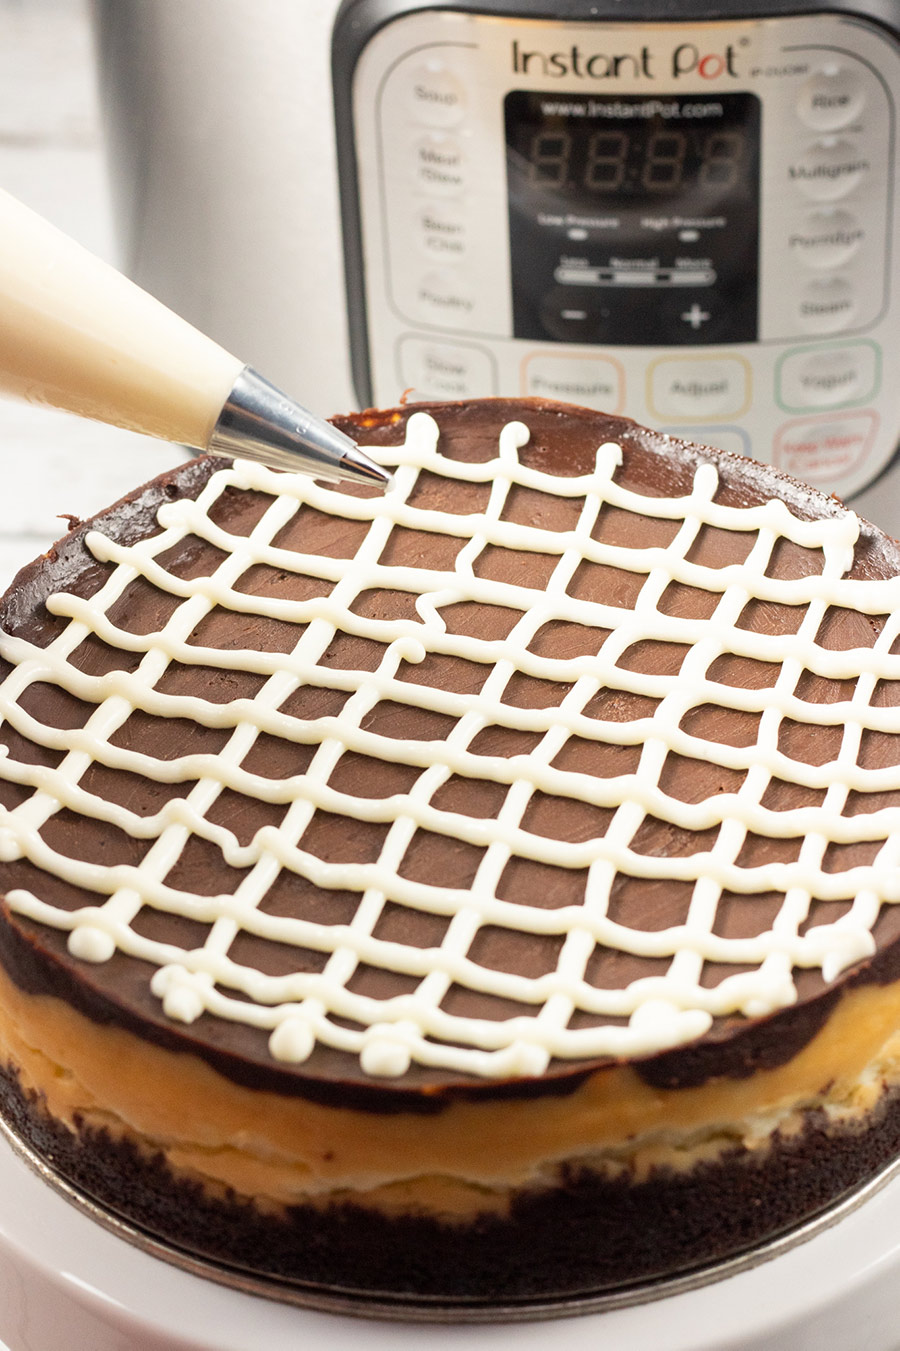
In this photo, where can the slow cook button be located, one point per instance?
(442, 232)
(445, 298)
(439, 164)
(829, 169)
(828, 237)
(703, 390)
(436, 96)
(595, 382)
(443, 370)
(831, 98)
(829, 378)
(827, 305)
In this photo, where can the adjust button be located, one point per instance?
(706, 389)
(828, 237)
(831, 98)
(829, 169)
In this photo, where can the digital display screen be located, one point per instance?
(628, 213)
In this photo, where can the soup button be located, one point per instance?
(705, 389)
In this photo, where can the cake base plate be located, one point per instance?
(67, 1279)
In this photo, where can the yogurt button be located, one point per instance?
(831, 98)
(828, 379)
(442, 232)
(826, 238)
(436, 96)
(829, 169)
(827, 305)
(438, 164)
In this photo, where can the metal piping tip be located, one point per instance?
(358, 468)
(259, 422)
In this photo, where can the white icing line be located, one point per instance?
(300, 1009)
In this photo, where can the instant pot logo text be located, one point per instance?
(685, 59)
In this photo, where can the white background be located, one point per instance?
(51, 157)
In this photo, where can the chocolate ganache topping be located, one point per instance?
(579, 745)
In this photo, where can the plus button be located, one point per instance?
(695, 316)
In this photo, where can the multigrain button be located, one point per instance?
(831, 98)
(828, 237)
(706, 389)
(829, 169)
(436, 97)
(827, 305)
(442, 232)
(439, 164)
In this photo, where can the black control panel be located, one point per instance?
(634, 220)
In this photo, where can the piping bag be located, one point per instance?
(78, 335)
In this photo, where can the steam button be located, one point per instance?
(827, 305)
(436, 96)
(829, 169)
(831, 98)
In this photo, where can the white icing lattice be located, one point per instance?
(300, 1008)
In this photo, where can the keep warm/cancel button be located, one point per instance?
(699, 389)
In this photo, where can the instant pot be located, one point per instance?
(683, 212)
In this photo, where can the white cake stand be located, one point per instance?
(68, 1284)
